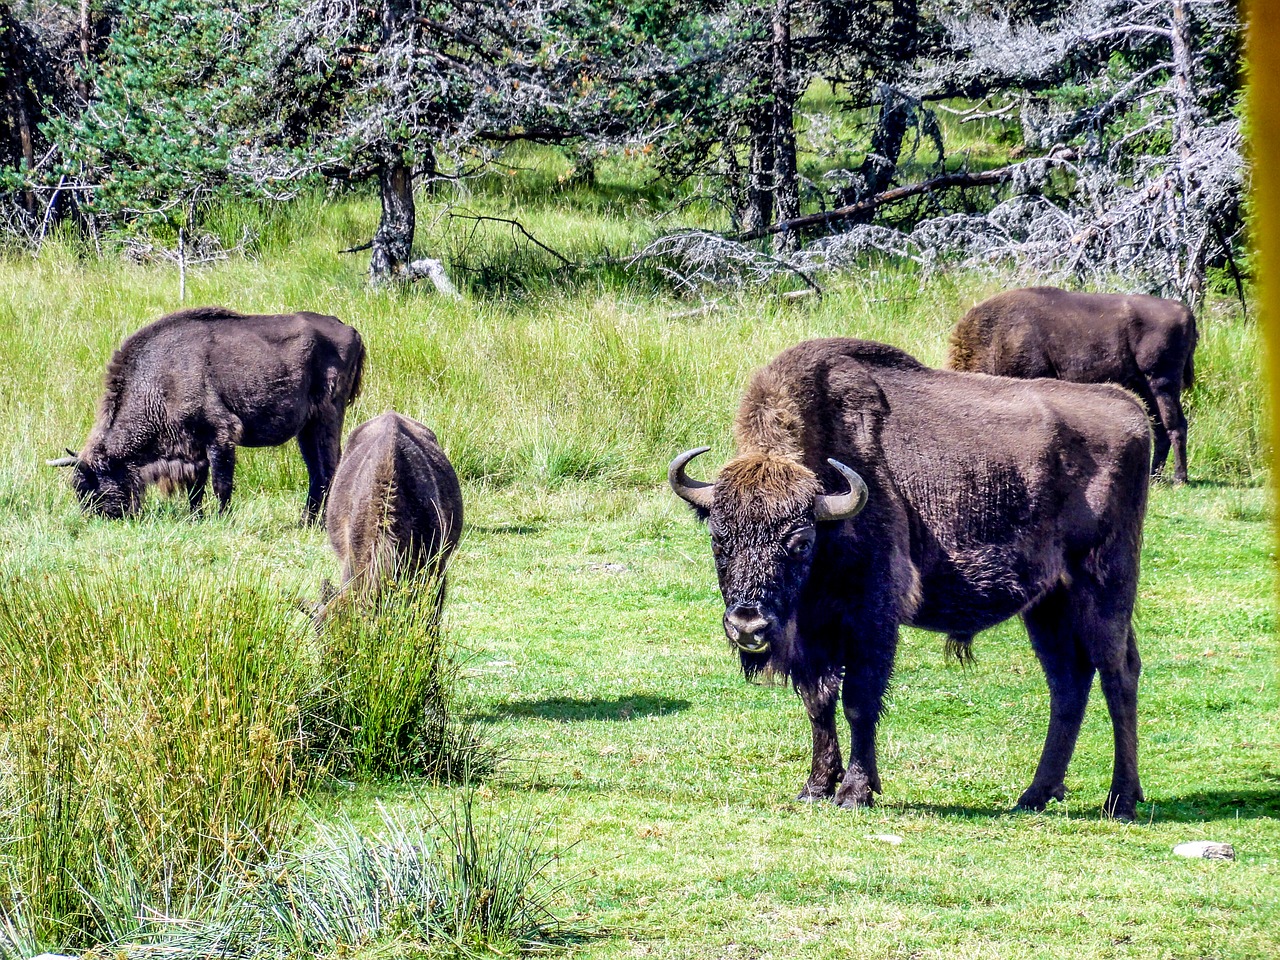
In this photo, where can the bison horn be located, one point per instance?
(70, 461)
(696, 492)
(842, 506)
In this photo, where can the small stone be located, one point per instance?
(890, 838)
(1206, 849)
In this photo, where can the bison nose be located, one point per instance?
(747, 628)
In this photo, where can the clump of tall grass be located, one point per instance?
(388, 704)
(150, 735)
(472, 886)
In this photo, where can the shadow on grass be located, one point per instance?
(1188, 808)
(565, 709)
(1235, 804)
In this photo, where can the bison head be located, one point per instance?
(104, 489)
(763, 513)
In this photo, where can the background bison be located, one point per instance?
(183, 392)
(395, 508)
(984, 498)
(1145, 344)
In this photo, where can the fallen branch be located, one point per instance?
(945, 181)
(519, 226)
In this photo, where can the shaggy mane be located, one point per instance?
(770, 487)
(769, 421)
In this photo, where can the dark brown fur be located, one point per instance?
(1145, 344)
(183, 392)
(988, 498)
(395, 507)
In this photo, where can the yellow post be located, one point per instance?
(1263, 50)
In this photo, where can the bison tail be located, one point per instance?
(357, 381)
(959, 647)
(1189, 370)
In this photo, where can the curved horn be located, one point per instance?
(70, 461)
(697, 492)
(842, 506)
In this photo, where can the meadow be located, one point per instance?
(656, 785)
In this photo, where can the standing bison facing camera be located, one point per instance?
(394, 510)
(1145, 344)
(183, 392)
(959, 501)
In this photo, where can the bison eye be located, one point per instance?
(716, 550)
(800, 543)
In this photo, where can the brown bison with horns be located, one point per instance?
(1145, 344)
(970, 499)
(395, 507)
(183, 392)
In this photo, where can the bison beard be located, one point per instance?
(985, 498)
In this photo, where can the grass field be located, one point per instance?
(584, 599)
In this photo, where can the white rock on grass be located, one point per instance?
(890, 838)
(1206, 849)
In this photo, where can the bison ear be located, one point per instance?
(698, 493)
(842, 506)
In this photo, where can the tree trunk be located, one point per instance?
(757, 212)
(393, 240)
(786, 194)
(1188, 254)
(17, 95)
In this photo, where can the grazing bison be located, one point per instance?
(395, 507)
(1143, 343)
(183, 392)
(968, 499)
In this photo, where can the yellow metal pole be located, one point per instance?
(1263, 51)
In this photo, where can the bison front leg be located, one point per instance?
(820, 703)
(195, 493)
(864, 688)
(222, 468)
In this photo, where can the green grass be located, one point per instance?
(585, 601)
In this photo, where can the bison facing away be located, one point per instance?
(395, 507)
(1145, 344)
(970, 499)
(183, 392)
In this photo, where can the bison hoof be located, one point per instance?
(853, 795)
(1121, 807)
(816, 791)
(1037, 798)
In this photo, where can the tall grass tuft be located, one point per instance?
(388, 704)
(473, 887)
(149, 737)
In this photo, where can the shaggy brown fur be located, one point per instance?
(1145, 344)
(183, 392)
(988, 498)
(394, 510)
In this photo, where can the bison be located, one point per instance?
(395, 507)
(1145, 344)
(183, 392)
(963, 500)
